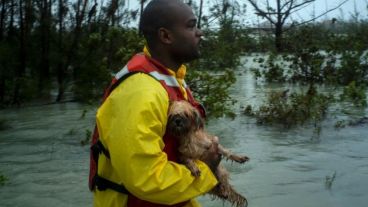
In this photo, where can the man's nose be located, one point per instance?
(199, 32)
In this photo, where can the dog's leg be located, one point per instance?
(190, 164)
(229, 155)
(225, 191)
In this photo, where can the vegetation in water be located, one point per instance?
(83, 115)
(355, 122)
(330, 180)
(212, 90)
(87, 139)
(355, 94)
(3, 179)
(310, 66)
(71, 132)
(292, 109)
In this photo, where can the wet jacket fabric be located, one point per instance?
(131, 124)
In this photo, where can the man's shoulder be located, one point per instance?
(141, 84)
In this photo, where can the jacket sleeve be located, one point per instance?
(131, 123)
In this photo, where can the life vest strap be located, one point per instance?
(121, 79)
(103, 184)
(97, 149)
(99, 182)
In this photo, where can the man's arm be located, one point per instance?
(132, 122)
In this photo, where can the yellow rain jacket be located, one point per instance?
(131, 124)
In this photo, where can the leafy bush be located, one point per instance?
(310, 66)
(293, 109)
(212, 90)
(273, 69)
(102, 56)
(354, 67)
(354, 93)
(306, 37)
(318, 53)
(306, 66)
(303, 66)
(356, 38)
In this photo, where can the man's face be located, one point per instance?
(186, 35)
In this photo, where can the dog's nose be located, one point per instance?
(178, 121)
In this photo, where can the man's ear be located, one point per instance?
(165, 35)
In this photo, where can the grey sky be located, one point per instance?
(319, 6)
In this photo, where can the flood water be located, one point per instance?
(45, 164)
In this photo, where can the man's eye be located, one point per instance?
(192, 26)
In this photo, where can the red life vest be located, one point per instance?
(140, 63)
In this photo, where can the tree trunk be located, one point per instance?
(278, 38)
(2, 90)
(77, 33)
(22, 57)
(2, 31)
(113, 9)
(200, 14)
(2, 19)
(141, 11)
(11, 31)
(278, 28)
(44, 74)
(60, 67)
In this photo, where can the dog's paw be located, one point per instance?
(239, 159)
(196, 172)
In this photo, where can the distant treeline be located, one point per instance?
(47, 41)
(58, 46)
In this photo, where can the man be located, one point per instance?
(137, 160)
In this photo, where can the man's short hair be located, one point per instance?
(157, 14)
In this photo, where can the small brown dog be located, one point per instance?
(187, 125)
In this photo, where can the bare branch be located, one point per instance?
(300, 8)
(305, 22)
(286, 3)
(287, 13)
(301, 4)
(261, 12)
(278, 15)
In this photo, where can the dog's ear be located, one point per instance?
(170, 103)
(170, 107)
(198, 119)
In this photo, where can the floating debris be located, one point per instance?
(329, 181)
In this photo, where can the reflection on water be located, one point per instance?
(46, 166)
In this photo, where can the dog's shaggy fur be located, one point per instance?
(186, 124)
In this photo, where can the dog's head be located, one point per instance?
(183, 118)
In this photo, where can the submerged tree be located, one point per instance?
(278, 11)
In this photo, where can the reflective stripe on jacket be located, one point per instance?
(142, 156)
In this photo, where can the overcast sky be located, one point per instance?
(319, 6)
